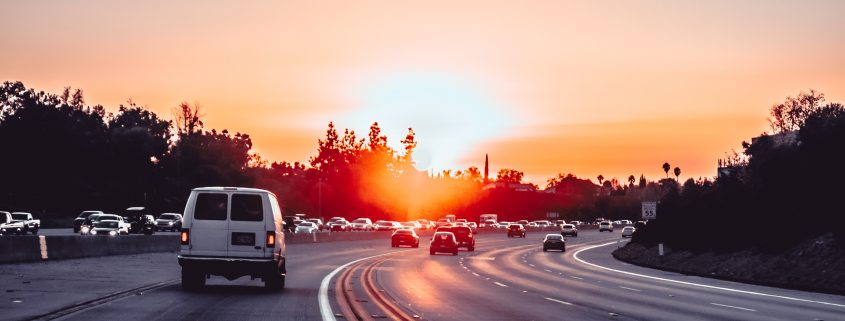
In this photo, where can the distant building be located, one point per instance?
(782, 139)
(732, 166)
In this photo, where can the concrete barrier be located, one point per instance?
(75, 246)
(19, 249)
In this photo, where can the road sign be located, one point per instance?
(649, 210)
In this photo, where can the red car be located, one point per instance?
(404, 237)
(443, 242)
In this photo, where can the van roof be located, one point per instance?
(230, 189)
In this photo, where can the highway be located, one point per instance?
(504, 279)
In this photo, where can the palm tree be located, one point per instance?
(666, 168)
(677, 173)
(631, 180)
(600, 178)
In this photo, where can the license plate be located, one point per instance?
(243, 238)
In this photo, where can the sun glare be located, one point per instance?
(450, 115)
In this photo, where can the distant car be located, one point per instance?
(576, 223)
(122, 226)
(30, 224)
(554, 241)
(463, 235)
(523, 222)
(460, 224)
(502, 225)
(628, 231)
(569, 229)
(88, 223)
(319, 223)
(442, 222)
(141, 221)
(542, 223)
(362, 224)
(306, 228)
(412, 224)
(77, 222)
(516, 230)
(606, 226)
(559, 222)
(425, 224)
(340, 226)
(404, 237)
(443, 242)
(461, 220)
(169, 221)
(533, 224)
(386, 225)
(335, 219)
(487, 224)
(8, 226)
(106, 228)
(625, 222)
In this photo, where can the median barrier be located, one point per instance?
(19, 249)
(76, 246)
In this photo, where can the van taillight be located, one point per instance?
(271, 239)
(185, 236)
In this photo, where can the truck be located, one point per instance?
(8, 226)
(30, 224)
(489, 217)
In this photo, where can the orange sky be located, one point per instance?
(593, 87)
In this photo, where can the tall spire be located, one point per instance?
(486, 169)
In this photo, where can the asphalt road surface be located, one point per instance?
(504, 279)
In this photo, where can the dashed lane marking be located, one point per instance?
(733, 307)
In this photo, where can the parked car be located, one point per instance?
(106, 228)
(362, 224)
(232, 232)
(30, 224)
(140, 220)
(8, 226)
(516, 230)
(169, 221)
(463, 235)
(554, 241)
(77, 222)
(569, 229)
(628, 231)
(443, 242)
(404, 237)
(306, 228)
(606, 226)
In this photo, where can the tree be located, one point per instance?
(666, 168)
(187, 118)
(328, 157)
(631, 180)
(793, 112)
(677, 172)
(507, 175)
(600, 178)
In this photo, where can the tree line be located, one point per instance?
(62, 156)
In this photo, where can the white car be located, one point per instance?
(487, 224)
(123, 226)
(502, 225)
(232, 232)
(413, 225)
(443, 222)
(362, 224)
(628, 231)
(568, 229)
(606, 226)
(306, 228)
(106, 227)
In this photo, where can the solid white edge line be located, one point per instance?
(558, 301)
(734, 307)
(323, 294)
(500, 284)
(693, 284)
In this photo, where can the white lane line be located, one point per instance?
(531, 265)
(500, 284)
(631, 289)
(575, 277)
(323, 294)
(733, 307)
(547, 270)
(558, 301)
(476, 274)
(693, 284)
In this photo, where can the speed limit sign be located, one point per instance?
(649, 210)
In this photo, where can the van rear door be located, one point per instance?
(247, 225)
(209, 224)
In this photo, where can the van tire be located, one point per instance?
(192, 280)
(274, 282)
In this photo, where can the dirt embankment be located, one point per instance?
(814, 265)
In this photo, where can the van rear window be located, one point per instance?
(247, 207)
(211, 206)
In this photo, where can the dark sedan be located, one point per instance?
(443, 242)
(554, 242)
(405, 237)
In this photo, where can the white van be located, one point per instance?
(232, 232)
